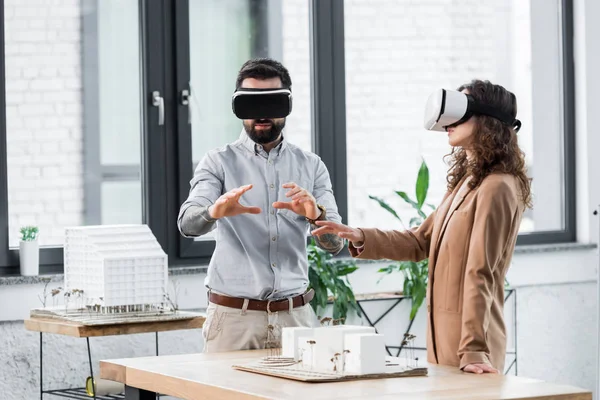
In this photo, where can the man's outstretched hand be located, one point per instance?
(303, 203)
(229, 205)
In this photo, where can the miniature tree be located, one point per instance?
(312, 343)
(44, 293)
(344, 360)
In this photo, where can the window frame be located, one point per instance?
(569, 233)
(327, 69)
(155, 144)
(167, 159)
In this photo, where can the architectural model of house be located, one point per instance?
(341, 348)
(118, 268)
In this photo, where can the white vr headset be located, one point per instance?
(446, 108)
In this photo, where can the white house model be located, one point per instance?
(116, 267)
(344, 349)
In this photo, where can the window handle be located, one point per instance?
(185, 101)
(158, 101)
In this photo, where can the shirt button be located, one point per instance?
(270, 162)
(271, 186)
(272, 211)
(273, 265)
(274, 238)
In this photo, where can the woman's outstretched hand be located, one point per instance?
(356, 236)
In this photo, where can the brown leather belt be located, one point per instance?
(262, 305)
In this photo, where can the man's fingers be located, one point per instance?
(282, 204)
(297, 190)
(238, 192)
(301, 195)
(252, 210)
(241, 190)
(289, 185)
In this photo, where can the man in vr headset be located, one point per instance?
(470, 238)
(262, 194)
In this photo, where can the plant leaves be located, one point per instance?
(422, 184)
(416, 275)
(345, 270)
(415, 221)
(407, 199)
(386, 206)
(329, 278)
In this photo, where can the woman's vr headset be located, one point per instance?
(446, 108)
(261, 103)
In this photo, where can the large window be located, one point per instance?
(396, 56)
(262, 28)
(72, 116)
(110, 104)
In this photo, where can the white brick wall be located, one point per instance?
(44, 116)
(395, 56)
(296, 58)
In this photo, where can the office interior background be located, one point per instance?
(81, 143)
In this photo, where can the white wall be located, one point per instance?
(43, 116)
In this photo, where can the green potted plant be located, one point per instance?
(415, 273)
(29, 251)
(329, 279)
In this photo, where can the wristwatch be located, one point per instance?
(320, 217)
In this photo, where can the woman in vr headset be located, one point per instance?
(469, 239)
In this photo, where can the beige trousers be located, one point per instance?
(229, 329)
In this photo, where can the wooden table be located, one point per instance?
(210, 376)
(78, 330)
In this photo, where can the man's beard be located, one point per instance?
(263, 136)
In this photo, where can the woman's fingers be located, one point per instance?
(322, 231)
(330, 224)
(480, 369)
(487, 368)
(473, 369)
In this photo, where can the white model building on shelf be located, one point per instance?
(347, 349)
(117, 268)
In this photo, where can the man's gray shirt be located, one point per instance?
(257, 256)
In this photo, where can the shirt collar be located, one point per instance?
(256, 148)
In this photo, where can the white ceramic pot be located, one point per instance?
(29, 253)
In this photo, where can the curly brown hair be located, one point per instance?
(495, 147)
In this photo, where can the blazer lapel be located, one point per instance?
(444, 216)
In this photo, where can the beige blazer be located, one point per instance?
(469, 239)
